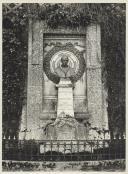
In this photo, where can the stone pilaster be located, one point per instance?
(34, 80)
(95, 89)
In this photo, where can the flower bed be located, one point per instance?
(111, 165)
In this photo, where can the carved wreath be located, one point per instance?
(68, 47)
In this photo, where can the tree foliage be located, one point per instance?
(15, 25)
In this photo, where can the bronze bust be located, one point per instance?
(64, 70)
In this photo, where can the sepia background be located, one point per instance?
(111, 17)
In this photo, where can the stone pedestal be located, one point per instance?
(65, 126)
(65, 97)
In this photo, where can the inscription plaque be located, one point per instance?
(65, 98)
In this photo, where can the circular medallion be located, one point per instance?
(64, 61)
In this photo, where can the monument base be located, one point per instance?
(66, 127)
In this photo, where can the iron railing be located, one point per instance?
(63, 150)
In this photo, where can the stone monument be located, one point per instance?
(65, 126)
(65, 97)
(65, 123)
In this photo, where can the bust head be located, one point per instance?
(64, 61)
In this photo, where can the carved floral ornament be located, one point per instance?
(53, 57)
